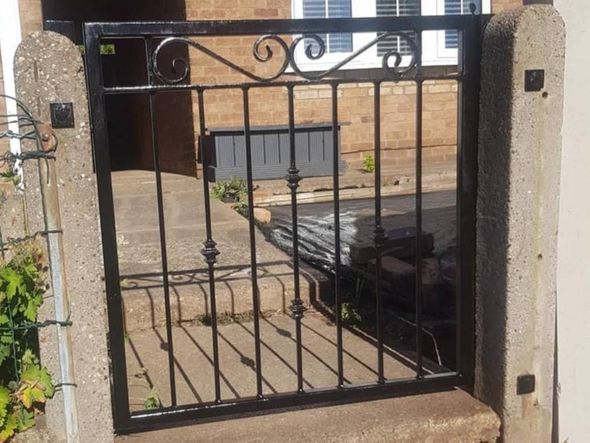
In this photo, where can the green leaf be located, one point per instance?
(26, 397)
(13, 282)
(4, 402)
(35, 376)
(31, 310)
(24, 419)
(7, 430)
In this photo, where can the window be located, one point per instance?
(438, 47)
(457, 7)
(335, 43)
(395, 8)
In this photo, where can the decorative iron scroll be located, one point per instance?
(262, 52)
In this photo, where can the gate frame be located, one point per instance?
(470, 31)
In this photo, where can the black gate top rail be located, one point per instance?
(407, 28)
(282, 26)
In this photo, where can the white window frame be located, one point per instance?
(434, 51)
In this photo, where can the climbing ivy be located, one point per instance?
(25, 385)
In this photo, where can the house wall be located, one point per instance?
(573, 276)
(313, 104)
(501, 5)
(31, 16)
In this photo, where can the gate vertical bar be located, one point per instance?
(209, 251)
(255, 294)
(293, 179)
(419, 292)
(337, 258)
(161, 226)
(102, 158)
(379, 233)
(467, 141)
(163, 252)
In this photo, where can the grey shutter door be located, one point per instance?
(270, 152)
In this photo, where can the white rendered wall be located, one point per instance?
(573, 279)
(10, 37)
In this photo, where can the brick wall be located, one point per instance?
(269, 106)
(31, 16)
(313, 103)
(501, 5)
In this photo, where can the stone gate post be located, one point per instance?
(517, 217)
(49, 69)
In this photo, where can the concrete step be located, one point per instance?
(452, 416)
(143, 294)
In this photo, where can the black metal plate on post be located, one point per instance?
(534, 80)
(525, 384)
(62, 115)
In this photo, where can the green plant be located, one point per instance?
(350, 314)
(11, 176)
(152, 401)
(229, 190)
(368, 163)
(25, 385)
(234, 191)
(226, 318)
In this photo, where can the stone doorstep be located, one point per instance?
(452, 416)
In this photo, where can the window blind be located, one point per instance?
(395, 8)
(458, 7)
(335, 43)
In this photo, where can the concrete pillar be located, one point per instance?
(573, 270)
(517, 216)
(49, 69)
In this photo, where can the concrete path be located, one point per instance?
(140, 261)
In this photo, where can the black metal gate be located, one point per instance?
(287, 35)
